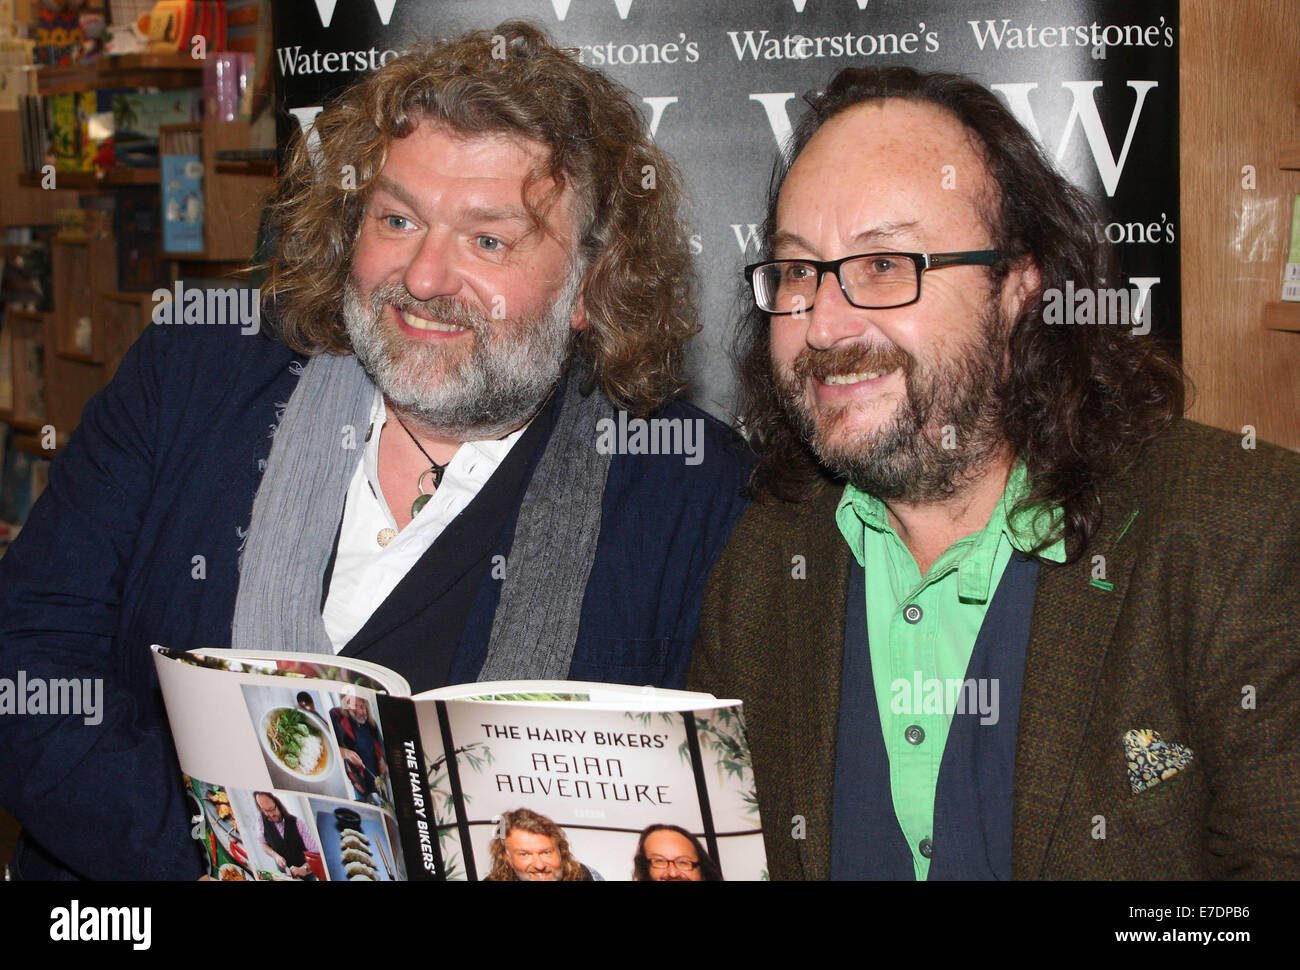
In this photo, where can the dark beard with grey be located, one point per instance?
(957, 401)
(498, 384)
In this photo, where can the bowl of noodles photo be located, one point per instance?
(298, 742)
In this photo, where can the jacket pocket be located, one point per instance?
(1161, 832)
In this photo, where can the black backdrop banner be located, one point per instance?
(722, 81)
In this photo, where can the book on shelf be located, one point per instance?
(138, 116)
(182, 203)
(1291, 275)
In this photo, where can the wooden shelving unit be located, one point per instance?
(91, 181)
(1278, 314)
(27, 332)
(83, 268)
(1282, 316)
(124, 316)
(231, 203)
(1288, 156)
(59, 359)
(123, 71)
(23, 202)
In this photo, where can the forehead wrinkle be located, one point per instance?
(884, 230)
(383, 183)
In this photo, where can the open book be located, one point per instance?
(309, 767)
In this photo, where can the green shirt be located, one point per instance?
(921, 632)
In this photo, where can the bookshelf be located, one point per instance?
(26, 330)
(232, 201)
(58, 359)
(1282, 316)
(123, 71)
(1238, 155)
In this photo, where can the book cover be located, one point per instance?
(137, 117)
(182, 203)
(307, 767)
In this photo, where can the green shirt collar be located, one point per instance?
(972, 556)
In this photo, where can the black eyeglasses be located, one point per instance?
(869, 281)
(683, 864)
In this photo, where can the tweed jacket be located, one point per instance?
(1191, 629)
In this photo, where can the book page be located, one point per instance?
(289, 774)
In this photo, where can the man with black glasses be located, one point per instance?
(999, 612)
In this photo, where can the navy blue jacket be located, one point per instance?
(162, 471)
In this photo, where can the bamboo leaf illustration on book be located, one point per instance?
(451, 863)
(477, 755)
(722, 732)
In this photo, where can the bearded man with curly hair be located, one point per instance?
(1001, 612)
(529, 847)
(454, 448)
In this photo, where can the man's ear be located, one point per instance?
(579, 321)
(1021, 287)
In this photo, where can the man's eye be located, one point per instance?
(490, 243)
(883, 264)
(399, 223)
(797, 272)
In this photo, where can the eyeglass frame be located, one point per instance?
(921, 262)
(681, 864)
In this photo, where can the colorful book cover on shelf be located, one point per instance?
(182, 203)
(82, 131)
(137, 117)
(1291, 275)
(58, 35)
(70, 114)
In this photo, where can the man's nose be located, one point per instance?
(832, 318)
(432, 271)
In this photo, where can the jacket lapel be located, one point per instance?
(1073, 623)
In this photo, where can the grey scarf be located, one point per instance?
(300, 500)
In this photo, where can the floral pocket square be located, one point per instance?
(1152, 759)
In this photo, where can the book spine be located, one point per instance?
(416, 825)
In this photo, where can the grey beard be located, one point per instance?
(508, 373)
(906, 460)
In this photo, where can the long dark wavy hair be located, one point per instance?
(639, 286)
(1081, 400)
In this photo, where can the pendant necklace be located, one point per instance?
(435, 469)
